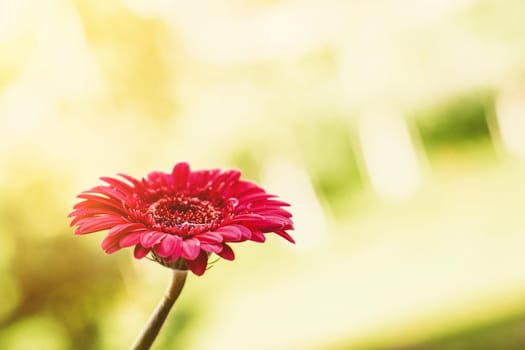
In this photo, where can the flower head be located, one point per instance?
(180, 217)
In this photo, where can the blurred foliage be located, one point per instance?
(59, 292)
(247, 159)
(57, 288)
(176, 331)
(331, 160)
(508, 334)
(134, 55)
(456, 123)
(14, 57)
(71, 291)
(495, 21)
(58, 282)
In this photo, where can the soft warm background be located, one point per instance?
(396, 128)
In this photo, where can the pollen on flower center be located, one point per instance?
(183, 212)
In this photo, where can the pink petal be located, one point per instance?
(80, 214)
(198, 265)
(109, 242)
(245, 188)
(257, 236)
(130, 239)
(200, 179)
(86, 216)
(121, 239)
(136, 183)
(124, 227)
(211, 248)
(140, 251)
(90, 198)
(277, 203)
(255, 197)
(209, 237)
(229, 233)
(180, 174)
(150, 238)
(197, 178)
(273, 223)
(166, 247)
(156, 176)
(108, 191)
(285, 235)
(190, 249)
(94, 224)
(245, 231)
(158, 179)
(226, 252)
(224, 180)
(247, 218)
(233, 176)
(117, 184)
(177, 250)
(112, 249)
(274, 212)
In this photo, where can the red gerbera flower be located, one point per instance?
(180, 217)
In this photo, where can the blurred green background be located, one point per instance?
(395, 128)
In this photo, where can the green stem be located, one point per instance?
(152, 327)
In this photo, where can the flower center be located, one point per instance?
(183, 213)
